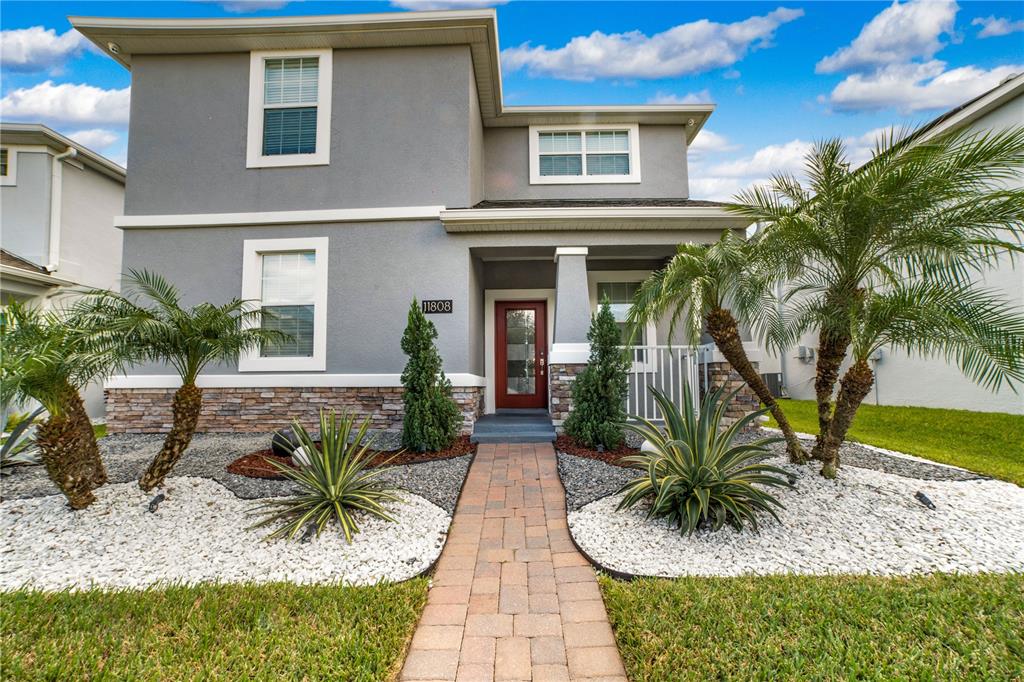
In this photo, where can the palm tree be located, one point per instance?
(150, 323)
(46, 358)
(918, 214)
(702, 285)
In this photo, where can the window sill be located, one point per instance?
(584, 180)
(289, 161)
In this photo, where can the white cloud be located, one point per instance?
(899, 33)
(731, 74)
(67, 103)
(38, 49)
(997, 26)
(94, 138)
(916, 87)
(661, 97)
(687, 48)
(445, 4)
(784, 158)
(708, 142)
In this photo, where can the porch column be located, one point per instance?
(569, 349)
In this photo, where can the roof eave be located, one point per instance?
(37, 133)
(591, 218)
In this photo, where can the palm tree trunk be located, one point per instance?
(69, 452)
(188, 401)
(724, 330)
(831, 351)
(853, 389)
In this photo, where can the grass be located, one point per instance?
(99, 430)
(989, 443)
(940, 627)
(221, 632)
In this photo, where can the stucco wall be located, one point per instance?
(400, 135)
(25, 208)
(662, 168)
(90, 245)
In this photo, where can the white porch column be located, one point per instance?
(572, 306)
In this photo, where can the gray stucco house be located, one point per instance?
(334, 167)
(58, 201)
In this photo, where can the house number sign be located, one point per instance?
(438, 306)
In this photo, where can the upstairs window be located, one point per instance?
(8, 166)
(289, 108)
(3, 163)
(584, 154)
(287, 280)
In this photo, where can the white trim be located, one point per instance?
(252, 284)
(569, 354)
(596, 276)
(254, 130)
(634, 155)
(280, 380)
(491, 296)
(585, 212)
(1007, 90)
(335, 215)
(571, 251)
(11, 179)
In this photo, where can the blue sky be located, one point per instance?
(782, 74)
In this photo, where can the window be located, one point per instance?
(289, 108)
(8, 166)
(620, 294)
(584, 154)
(620, 286)
(287, 279)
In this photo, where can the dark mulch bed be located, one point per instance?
(255, 464)
(569, 446)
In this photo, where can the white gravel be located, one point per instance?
(864, 522)
(198, 534)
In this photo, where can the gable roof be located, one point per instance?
(477, 28)
(973, 109)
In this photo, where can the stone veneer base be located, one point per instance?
(260, 410)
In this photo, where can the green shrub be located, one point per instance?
(694, 471)
(432, 418)
(599, 391)
(336, 479)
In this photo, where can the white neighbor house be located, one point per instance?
(58, 200)
(931, 382)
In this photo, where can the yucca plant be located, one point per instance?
(337, 481)
(695, 472)
(20, 449)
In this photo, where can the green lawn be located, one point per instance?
(219, 632)
(989, 443)
(100, 430)
(941, 627)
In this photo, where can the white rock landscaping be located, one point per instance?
(865, 521)
(199, 534)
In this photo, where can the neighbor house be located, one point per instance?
(58, 201)
(903, 379)
(334, 168)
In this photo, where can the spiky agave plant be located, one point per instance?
(337, 481)
(695, 472)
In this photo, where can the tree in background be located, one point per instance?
(883, 255)
(148, 322)
(708, 287)
(432, 418)
(599, 391)
(46, 358)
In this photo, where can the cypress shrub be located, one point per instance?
(432, 418)
(599, 391)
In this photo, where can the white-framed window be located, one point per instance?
(289, 108)
(586, 154)
(287, 278)
(620, 287)
(8, 166)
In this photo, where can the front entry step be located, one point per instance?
(514, 426)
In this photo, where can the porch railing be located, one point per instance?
(665, 368)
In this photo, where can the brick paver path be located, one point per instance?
(512, 599)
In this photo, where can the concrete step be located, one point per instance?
(512, 437)
(504, 427)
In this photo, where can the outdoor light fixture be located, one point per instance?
(114, 48)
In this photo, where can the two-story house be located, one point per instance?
(332, 168)
(58, 201)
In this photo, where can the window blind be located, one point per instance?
(287, 128)
(287, 294)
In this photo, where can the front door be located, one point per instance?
(520, 354)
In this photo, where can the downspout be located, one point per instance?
(782, 354)
(56, 185)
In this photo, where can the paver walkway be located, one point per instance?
(512, 599)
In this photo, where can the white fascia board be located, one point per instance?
(17, 274)
(335, 215)
(583, 213)
(281, 381)
(1010, 89)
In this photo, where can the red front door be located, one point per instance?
(520, 354)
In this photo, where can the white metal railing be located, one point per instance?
(666, 368)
